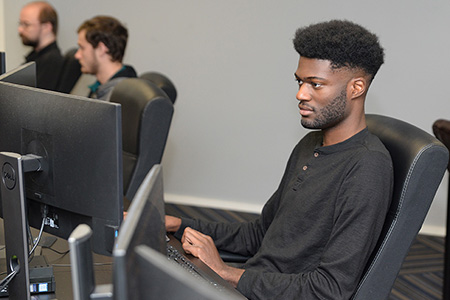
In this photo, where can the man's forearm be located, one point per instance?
(232, 275)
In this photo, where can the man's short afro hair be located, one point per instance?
(343, 43)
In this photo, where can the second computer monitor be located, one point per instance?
(80, 145)
(144, 225)
(23, 75)
(158, 278)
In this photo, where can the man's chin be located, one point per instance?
(86, 71)
(308, 125)
(27, 42)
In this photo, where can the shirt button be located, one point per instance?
(316, 154)
(305, 168)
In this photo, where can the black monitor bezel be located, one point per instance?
(106, 218)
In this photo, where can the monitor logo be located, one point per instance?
(8, 176)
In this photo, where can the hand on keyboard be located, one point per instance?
(202, 246)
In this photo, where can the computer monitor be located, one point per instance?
(75, 142)
(2, 62)
(81, 262)
(158, 278)
(23, 75)
(144, 225)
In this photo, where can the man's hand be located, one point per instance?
(172, 224)
(202, 246)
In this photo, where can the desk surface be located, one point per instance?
(61, 267)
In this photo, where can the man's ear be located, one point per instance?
(47, 26)
(101, 48)
(358, 86)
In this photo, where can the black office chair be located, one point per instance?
(71, 72)
(163, 82)
(441, 129)
(419, 164)
(146, 116)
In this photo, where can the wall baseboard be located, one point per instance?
(213, 203)
(254, 208)
(433, 230)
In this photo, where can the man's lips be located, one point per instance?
(305, 110)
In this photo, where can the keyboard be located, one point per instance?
(175, 256)
(198, 269)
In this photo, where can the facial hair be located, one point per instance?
(329, 115)
(28, 42)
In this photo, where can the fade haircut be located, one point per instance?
(343, 43)
(110, 32)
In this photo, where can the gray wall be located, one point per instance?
(236, 117)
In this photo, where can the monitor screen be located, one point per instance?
(144, 225)
(23, 75)
(79, 140)
(158, 278)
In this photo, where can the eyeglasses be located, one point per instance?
(26, 24)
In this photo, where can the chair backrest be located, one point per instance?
(146, 117)
(419, 161)
(441, 130)
(163, 82)
(70, 73)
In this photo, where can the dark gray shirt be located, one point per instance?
(316, 233)
(104, 91)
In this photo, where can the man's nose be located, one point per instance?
(303, 93)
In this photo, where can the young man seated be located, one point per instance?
(317, 231)
(102, 41)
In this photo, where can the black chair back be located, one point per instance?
(419, 161)
(163, 82)
(146, 117)
(70, 73)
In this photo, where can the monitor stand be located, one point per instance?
(13, 167)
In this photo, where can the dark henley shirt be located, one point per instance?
(317, 231)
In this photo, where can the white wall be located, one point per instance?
(236, 117)
(2, 27)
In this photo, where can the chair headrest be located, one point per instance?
(136, 95)
(162, 82)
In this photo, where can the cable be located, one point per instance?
(29, 235)
(58, 252)
(4, 283)
(94, 264)
(37, 240)
(15, 269)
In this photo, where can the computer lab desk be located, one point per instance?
(61, 267)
